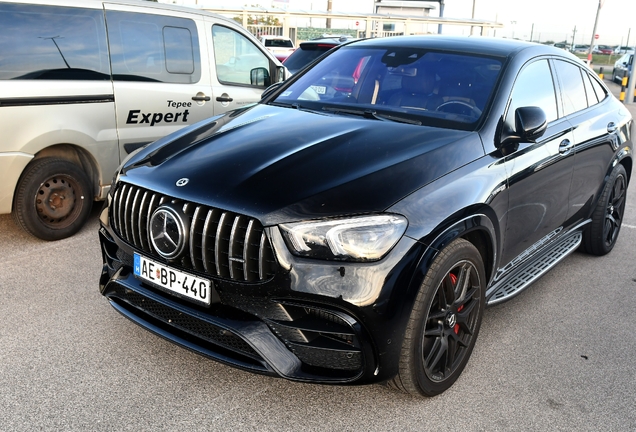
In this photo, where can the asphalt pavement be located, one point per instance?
(560, 356)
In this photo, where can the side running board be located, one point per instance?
(520, 279)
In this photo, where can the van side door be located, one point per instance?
(160, 72)
(241, 67)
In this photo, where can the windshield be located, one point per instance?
(435, 88)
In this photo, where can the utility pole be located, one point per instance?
(472, 28)
(598, 12)
(531, 32)
(441, 15)
(329, 7)
(573, 36)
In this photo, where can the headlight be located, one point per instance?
(364, 238)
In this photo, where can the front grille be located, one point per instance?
(221, 243)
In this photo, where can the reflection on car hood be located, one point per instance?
(282, 164)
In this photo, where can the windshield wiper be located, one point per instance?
(372, 114)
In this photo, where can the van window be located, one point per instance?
(56, 43)
(235, 56)
(145, 47)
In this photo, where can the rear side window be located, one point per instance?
(305, 55)
(52, 43)
(598, 89)
(572, 88)
(157, 48)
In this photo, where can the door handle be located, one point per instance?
(611, 127)
(224, 99)
(201, 98)
(565, 147)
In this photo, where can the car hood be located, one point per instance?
(283, 164)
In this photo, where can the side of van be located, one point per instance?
(83, 84)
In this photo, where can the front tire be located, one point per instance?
(444, 322)
(601, 235)
(53, 199)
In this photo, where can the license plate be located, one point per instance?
(181, 283)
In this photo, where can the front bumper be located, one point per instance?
(306, 320)
(257, 328)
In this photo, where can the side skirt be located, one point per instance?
(520, 278)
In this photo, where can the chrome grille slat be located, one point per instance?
(217, 243)
(246, 245)
(204, 244)
(148, 216)
(115, 205)
(135, 218)
(194, 238)
(231, 255)
(127, 214)
(143, 234)
(221, 243)
(261, 256)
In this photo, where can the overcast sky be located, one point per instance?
(553, 19)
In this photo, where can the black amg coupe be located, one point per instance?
(353, 226)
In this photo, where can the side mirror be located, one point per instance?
(260, 77)
(530, 125)
(280, 71)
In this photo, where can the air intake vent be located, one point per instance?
(221, 243)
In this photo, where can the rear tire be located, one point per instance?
(444, 322)
(53, 199)
(600, 236)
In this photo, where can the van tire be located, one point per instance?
(53, 199)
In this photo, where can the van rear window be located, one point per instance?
(147, 47)
(49, 42)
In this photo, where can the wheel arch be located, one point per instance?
(477, 225)
(474, 225)
(627, 163)
(77, 155)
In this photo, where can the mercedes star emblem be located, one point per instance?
(183, 181)
(167, 232)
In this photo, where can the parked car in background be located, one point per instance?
(280, 46)
(353, 226)
(83, 84)
(604, 49)
(580, 49)
(622, 66)
(563, 45)
(311, 50)
(623, 50)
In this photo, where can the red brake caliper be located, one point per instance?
(453, 279)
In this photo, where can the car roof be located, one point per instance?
(480, 45)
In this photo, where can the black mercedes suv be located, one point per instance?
(353, 226)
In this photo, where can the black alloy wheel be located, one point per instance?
(601, 234)
(614, 211)
(444, 323)
(451, 322)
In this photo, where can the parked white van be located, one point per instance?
(84, 83)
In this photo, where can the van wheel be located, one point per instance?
(444, 323)
(53, 199)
